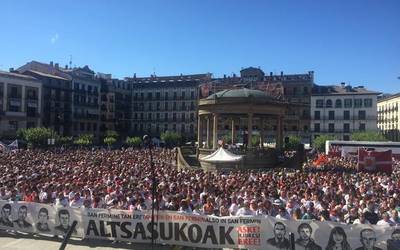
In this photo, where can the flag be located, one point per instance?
(13, 145)
(335, 151)
(373, 161)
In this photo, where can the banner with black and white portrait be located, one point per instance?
(175, 228)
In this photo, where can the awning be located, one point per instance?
(222, 155)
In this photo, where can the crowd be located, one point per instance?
(121, 179)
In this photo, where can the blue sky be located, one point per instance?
(351, 41)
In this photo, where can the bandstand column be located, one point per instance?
(215, 132)
(200, 131)
(249, 129)
(279, 130)
(208, 132)
(233, 131)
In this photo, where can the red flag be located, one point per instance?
(335, 151)
(373, 161)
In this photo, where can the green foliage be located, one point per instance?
(171, 139)
(319, 142)
(133, 141)
(255, 140)
(367, 136)
(111, 133)
(294, 140)
(37, 136)
(84, 140)
(64, 140)
(109, 141)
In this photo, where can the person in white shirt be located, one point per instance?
(385, 221)
(283, 214)
(361, 220)
(245, 210)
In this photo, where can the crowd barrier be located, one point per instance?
(180, 229)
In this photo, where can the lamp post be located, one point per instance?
(147, 142)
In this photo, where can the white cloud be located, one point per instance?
(54, 38)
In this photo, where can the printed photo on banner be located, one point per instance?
(64, 222)
(279, 241)
(305, 241)
(5, 219)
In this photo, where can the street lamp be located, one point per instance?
(147, 142)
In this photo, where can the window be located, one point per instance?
(13, 125)
(305, 128)
(358, 103)
(305, 90)
(331, 115)
(361, 115)
(346, 115)
(348, 103)
(317, 127)
(174, 106)
(166, 106)
(338, 103)
(166, 95)
(317, 115)
(158, 95)
(329, 103)
(319, 103)
(94, 126)
(150, 117)
(149, 96)
(174, 117)
(165, 116)
(192, 94)
(367, 102)
(362, 127)
(346, 127)
(331, 127)
(183, 94)
(346, 138)
(82, 126)
(150, 106)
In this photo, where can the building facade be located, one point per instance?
(388, 117)
(85, 101)
(166, 103)
(56, 102)
(342, 110)
(20, 103)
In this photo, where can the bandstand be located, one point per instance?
(240, 114)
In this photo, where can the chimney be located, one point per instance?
(66, 66)
(56, 65)
(343, 84)
(51, 63)
(270, 73)
(281, 73)
(134, 75)
(224, 76)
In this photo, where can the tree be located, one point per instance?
(112, 133)
(292, 143)
(133, 141)
(319, 142)
(171, 139)
(84, 140)
(109, 141)
(367, 136)
(37, 136)
(64, 140)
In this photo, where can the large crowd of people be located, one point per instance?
(121, 179)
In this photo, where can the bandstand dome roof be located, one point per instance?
(239, 93)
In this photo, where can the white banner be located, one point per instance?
(196, 231)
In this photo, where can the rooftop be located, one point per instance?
(239, 93)
(17, 75)
(342, 89)
(48, 75)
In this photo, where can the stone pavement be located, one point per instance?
(19, 241)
